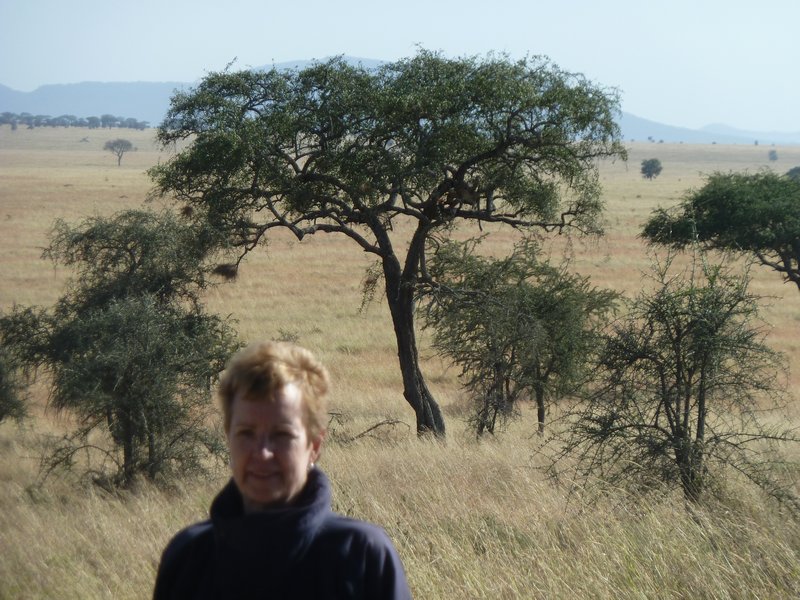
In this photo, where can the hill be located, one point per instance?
(145, 101)
(641, 130)
(149, 101)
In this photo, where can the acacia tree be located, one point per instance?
(129, 348)
(518, 328)
(426, 141)
(651, 168)
(680, 386)
(756, 214)
(118, 148)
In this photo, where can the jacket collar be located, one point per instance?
(271, 540)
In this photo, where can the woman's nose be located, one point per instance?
(263, 447)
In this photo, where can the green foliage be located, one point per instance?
(130, 351)
(118, 148)
(135, 252)
(651, 168)
(400, 140)
(518, 328)
(341, 149)
(12, 390)
(682, 386)
(757, 214)
(793, 173)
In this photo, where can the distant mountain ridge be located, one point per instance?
(149, 101)
(145, 101)
(639, 129)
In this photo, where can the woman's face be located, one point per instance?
(270, 449)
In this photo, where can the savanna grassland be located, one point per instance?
(470, 519)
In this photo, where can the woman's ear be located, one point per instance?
(316, 445)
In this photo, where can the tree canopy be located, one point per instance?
(135, 252)
(118, 148)
(651, 168)
(757, 214)
(427, 141)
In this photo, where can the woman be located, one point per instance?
(272, 533)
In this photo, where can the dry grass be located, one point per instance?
(470, 520)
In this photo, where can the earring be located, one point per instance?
(310, 466)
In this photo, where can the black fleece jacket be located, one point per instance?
(302, 551)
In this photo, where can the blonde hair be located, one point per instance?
(259, 370)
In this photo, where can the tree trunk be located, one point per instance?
(690, 466)
(540, 409)
(153, 461)
(128, 451)
(400, 297)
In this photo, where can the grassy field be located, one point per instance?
(470, 520)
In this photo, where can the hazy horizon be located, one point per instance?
(687, 64)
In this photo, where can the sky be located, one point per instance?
(686, 63)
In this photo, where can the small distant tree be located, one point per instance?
(651, 168)
(118, 147)
(131, 123)
(773, 155)
(683, 383)
(756, 214)
(109, 121)
(518, 328)
(129, 349)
